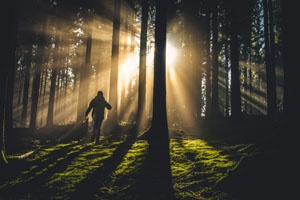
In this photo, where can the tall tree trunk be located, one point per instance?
(113, 90)
(50, 114)
(37, 78)
(288, 100)
(234, 54)
(215, 62)
(269, 58)
(26, 88)
(84, 72)
(55, 67)
(208, 67)
(7, 77)
(226, 79)
(142, 72)
(158, 133)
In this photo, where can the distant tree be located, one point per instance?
(85, 69)
(39, 61)
(27, 63)
(37, 78)
(142, 65)
(50, 114)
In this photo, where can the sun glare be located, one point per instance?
(170, 55)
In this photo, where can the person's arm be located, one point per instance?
(89, 109)
(107, 105)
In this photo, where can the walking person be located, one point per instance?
(98, 104)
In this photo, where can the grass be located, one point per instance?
(110, 170)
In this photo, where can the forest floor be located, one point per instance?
(201, 168)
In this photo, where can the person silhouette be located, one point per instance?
(98, 104)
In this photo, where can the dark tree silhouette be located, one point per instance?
(269, 58)
(158, 135)
(84, 72)
(215, 62)
(142, 73)
(234, 55)
(50, 113)
(288, 101)
(41, 42)
(27, 61)
(113, 90)
(7, 76)
(208, 60)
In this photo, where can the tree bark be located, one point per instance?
(142, 72)
(84, 72)
(7, 77)
(234, 55)
(215, 62)
(113, 90)
(158, 134)
(269, 58)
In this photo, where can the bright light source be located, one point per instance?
(171, 55)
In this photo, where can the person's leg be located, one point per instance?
(98, 131)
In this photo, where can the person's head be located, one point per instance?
(100, 94)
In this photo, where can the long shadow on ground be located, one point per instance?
(39, 170)
(88, 188)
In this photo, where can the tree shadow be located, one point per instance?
(32, 180)
(156, 181)
(88, 188)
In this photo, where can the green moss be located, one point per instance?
(133, 159)
(196, 165)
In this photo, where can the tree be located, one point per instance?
(215, 62)
(84, 70)
(113, 90)
(26, 84)
(269, 58)
(142, 73)
(234, 55)
(158, 135)
(7, 77)
(41, 42)
(50, 113)
(208, 60)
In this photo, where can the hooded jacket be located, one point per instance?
(98, 104)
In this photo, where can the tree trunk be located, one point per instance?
(113, 90)
(215, 62)
(226, 79)
(269, 58)
(208, 67)
(37, 79)
(7, 77)
(288, 100)
(142, 73)
(158, 133)
(26, 87)
(234, 55)
(84, 73)
(50, 114)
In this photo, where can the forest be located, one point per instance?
(201, 94)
